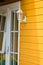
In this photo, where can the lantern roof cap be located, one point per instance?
(19, 11)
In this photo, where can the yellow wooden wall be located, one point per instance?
(31, 47)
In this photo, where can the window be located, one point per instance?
(14, 38)
(9, 35)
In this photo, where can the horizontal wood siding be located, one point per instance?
(31, 47)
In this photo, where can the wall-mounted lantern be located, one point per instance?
(21, 16)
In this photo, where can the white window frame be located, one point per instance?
(8, 8)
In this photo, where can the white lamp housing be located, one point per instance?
(21, 16)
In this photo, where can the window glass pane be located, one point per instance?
(2, 22)
(14, 40)
(14, 22)
(12, 19)
(1, 40)
(14, 59)
(2, 59)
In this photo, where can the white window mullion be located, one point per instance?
(14, 37)
(18, 42)
(14, 53)
(14, 31)
(8, 35)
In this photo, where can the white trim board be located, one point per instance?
(11, 7)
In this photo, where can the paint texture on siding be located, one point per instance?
(31, 47)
